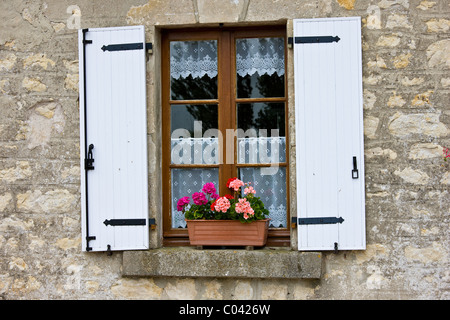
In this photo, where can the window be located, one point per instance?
(224, 111)
(215, 82)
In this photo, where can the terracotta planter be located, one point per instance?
(227, 232)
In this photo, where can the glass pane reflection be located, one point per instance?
(193, 70)
(260, 67)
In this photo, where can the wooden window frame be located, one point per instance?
(226, 100)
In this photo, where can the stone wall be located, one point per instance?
(406, 79)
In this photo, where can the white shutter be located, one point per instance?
(329, 134)
(113, 119)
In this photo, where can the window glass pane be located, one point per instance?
(194, 134)
(193, 70)
(257, 140)
(260, 67)
(271, 188)
(184, 183)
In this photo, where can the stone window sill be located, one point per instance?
(190, 262)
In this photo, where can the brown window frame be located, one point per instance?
(226, 100)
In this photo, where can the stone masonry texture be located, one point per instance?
(406, 81)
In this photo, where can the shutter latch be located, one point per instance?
(88, 163)
(355, 174)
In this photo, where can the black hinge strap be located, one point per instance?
(314, 39)
(128, 46)
(125, 222)
(149, 47)
(320, 220)
(123, 46)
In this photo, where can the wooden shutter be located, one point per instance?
(113, 132)
(329, 134)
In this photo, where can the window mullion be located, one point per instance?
(226, 115)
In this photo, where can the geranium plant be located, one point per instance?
(446, 153)
(208, 205)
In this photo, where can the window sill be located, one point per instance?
(216, 263)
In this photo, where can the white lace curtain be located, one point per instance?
(184, 183)
(271, 187)
(272, 191)
(261, 55)
(195, 58)
(206, 150)
(199, 58)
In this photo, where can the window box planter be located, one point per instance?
(227, 232)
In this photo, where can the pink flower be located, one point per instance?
(229, 180)
(249, 190)
(243, 206)
(209, 188)
(199, 198)
(236, 184)
(182, 203)
(222, 204)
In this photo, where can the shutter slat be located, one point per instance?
(329, 133)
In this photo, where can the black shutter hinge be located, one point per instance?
(125, 222)
(152, 223)
(149, 47)
(313, 39)
(89, 238)
(290, 42)
(84, 35)
(89, 161)
(128, 46)
(123, 47)
(294, 222)
(130, 222)
(320, 220)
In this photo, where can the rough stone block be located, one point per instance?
(188, 262)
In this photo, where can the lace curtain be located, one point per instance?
(270, 186)
(195, 58)
(184, 183)
(262, 150)
(272, 191)
(199, 58)
(206, 150)
(262, 55)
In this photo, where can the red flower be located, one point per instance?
(229, 196)
(213, 204)
(229, 180)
